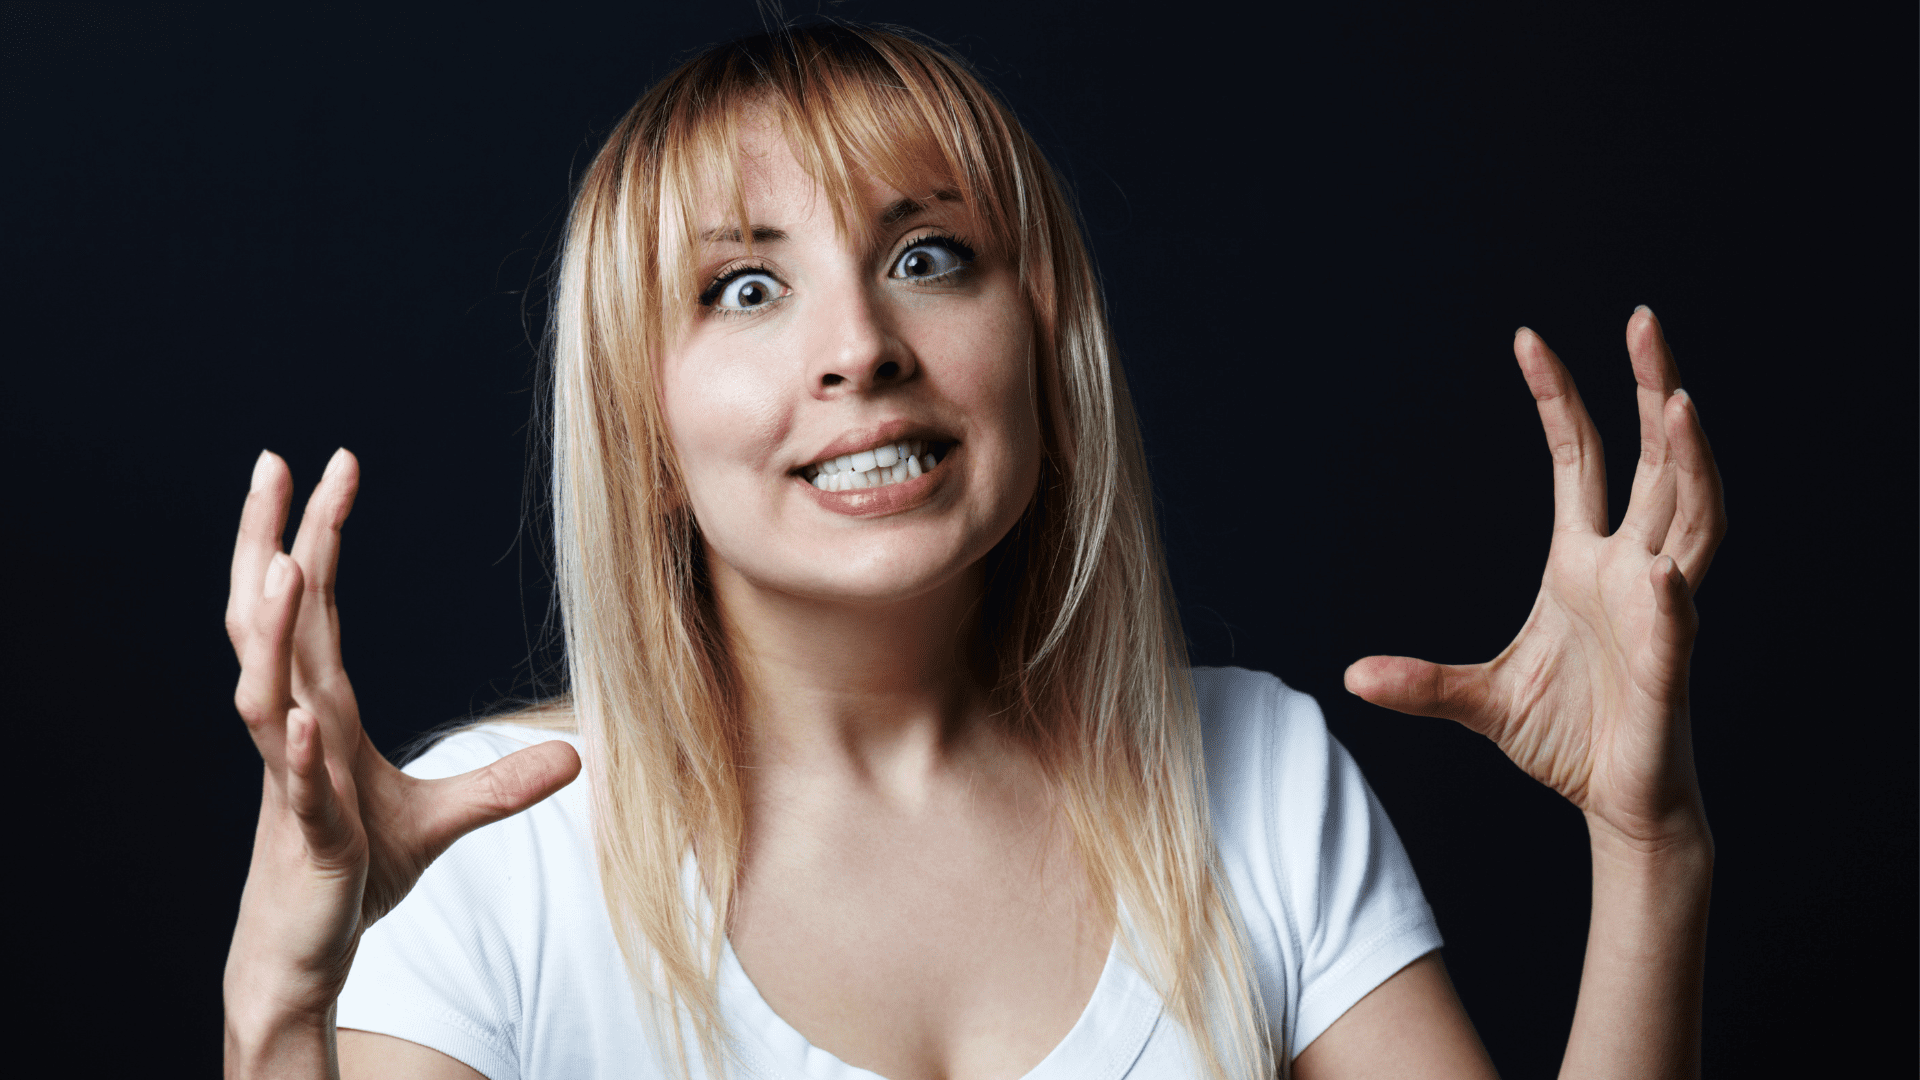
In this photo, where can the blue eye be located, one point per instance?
(936, 256)
(746, 290)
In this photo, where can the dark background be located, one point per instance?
(1318, 231)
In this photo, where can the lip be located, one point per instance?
(881, 501)
(867, 438)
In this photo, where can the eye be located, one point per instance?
(744, 290)
(933, 257)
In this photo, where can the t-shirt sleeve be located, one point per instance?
(439, 969)
(1331, 902)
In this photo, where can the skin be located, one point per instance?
(896, 841)
(903, 860)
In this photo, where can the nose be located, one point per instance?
(857, 350)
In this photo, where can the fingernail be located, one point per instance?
(1681, 393)
(1522, 330)
(333, 463)
(1643, 308)
(277, 574)
(259, 471)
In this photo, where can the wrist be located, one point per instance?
(1678, 843)
(263, 1039)
(279, 1020)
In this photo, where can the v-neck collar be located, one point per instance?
(1102, 1045)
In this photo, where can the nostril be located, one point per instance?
(831, 380)
(887, 370)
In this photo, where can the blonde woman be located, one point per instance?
(893, 763)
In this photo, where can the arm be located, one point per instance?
(342, 834)
(1591, 699)
(1639, 1008)
(1410, 1026)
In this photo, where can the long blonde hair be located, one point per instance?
(1091, 662)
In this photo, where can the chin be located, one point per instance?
(879, 582)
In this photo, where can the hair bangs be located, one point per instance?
(854, 112)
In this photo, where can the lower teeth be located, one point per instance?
(880, 476)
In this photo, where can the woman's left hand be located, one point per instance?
(1590, 698)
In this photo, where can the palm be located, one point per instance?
(1580, 677)
(385, 820)
(1590, 698)
(399, 846)
(343, 835)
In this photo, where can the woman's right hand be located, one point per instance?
(343, 835)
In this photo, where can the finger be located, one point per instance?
(1579, 466)
(310, 789)
(1403, 684)
(1654, 372)
(265, 690)
(1700, 510)
(1650, 510)
(316, 547)
(261, 523)
(1674, 628)
(456, 806)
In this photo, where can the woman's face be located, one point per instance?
(854, 423)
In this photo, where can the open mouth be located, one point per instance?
(888, 463)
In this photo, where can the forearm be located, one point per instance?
(279, 1017)
(285, 1046)
(1639, 1009)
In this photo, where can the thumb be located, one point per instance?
(1403, 684)
(460, 804)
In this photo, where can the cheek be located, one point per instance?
(999, 386)
(722, 412)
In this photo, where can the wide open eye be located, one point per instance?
(936, 256)
(747, 290)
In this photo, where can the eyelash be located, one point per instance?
(726, 277)
(954, 244)
(949, 241)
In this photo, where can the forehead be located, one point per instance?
(768, 175)
(769, 180)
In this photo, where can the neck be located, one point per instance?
(883, 694)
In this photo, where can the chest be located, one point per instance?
(956, 942)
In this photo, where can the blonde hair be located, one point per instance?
(1091, 662)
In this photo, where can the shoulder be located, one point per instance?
(1328, 897)
(507, 919)
(1286, 798)
(1236, 704)
(1264, 741)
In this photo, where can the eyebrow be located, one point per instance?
(901, 209)
(730, 234)
(896, 212)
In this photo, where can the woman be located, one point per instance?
(893, 764)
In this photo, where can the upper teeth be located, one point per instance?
(888, 464)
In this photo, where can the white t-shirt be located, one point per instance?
(503, 955)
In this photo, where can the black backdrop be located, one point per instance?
(1318, 231)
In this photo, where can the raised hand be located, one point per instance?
(343, 835)
(1590, 698)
